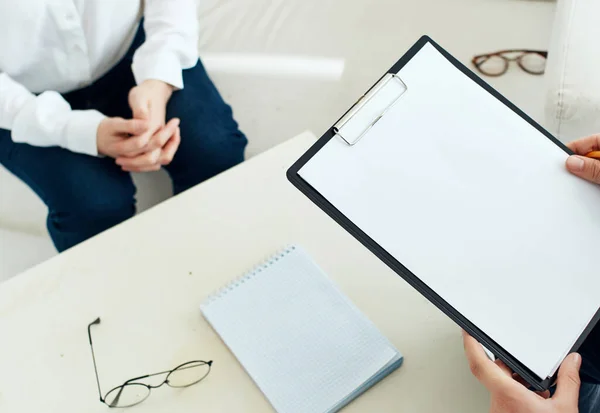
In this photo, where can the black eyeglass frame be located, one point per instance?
(131, 382)
(482, 58)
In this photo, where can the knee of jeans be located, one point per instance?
(231, 152)
(226, 153)
(96, 209)
(221, 148)
(114, 211)
(206, 159)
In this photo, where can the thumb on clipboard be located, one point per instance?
(509, 394)
(586, 163)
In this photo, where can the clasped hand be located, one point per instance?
(144, 143)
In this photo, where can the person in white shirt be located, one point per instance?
(92, 90)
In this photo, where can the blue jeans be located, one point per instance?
(589, 396)
(86, 195)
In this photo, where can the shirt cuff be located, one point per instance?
(81, 131)
(161, 66)
(41, 120)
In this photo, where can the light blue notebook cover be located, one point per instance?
(305, 345)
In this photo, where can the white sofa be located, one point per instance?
(573, 82)
(290, 65)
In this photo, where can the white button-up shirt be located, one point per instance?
(48, 47)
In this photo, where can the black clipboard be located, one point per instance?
(535, 381)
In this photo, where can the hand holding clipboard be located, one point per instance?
(510, 394)
(505, 388)
(586, 162)
(491, 230)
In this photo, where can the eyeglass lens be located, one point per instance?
(188, 374)
(533, 63)
(127, 395)
(493, 65)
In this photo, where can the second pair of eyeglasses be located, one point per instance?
(497, 63)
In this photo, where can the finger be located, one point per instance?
(128, 126)
(485, 370)
(520, 380)
(133, 145)
(161, 137)
(168, 151)
(585, 145)
(145, 160)
(543, 394)
(138, 144)
(151, 168)
(586, 168)
(140, 106)
(505, 369)
(568, 382)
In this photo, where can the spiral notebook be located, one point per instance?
(305, 345)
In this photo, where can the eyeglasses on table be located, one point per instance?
(133, 392)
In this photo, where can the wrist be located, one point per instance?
(164, 89)
(101, 137)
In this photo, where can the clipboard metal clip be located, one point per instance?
(370, 108)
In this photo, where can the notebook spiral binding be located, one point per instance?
(249, 275)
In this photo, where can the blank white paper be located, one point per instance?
(477, 204)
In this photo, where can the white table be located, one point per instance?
(147, 277)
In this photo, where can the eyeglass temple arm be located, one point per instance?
(95, 322)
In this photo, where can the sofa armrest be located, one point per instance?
(572, 74)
